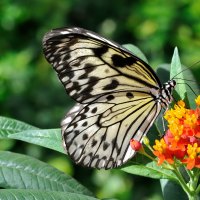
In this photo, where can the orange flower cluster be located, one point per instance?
(182, 140)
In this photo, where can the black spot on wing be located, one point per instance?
(105, 145)
(120, 61)
(86, 109)
(88, 68)
(94, 142)
(94, 110)
(117, 148)
(85, 136)
(65, 73)
(110, 97)
(86, 92)
(76, 86)
(100, 51)
(85, 123)
(112, 85)
(129, 95)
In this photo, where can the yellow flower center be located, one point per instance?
(193, 150)
(190, 120)
(160, 145)
(176, 130)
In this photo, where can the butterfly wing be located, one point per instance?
(117, 92)
(98, 134)
(90, 66)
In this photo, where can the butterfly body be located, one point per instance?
(118, 96)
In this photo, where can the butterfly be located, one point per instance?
(118, 96)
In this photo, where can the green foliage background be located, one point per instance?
(31, 92)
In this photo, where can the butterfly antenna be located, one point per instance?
(189, 87)
(193, 81)
(183, 79)
(187, 68)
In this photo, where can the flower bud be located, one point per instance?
(135, 145)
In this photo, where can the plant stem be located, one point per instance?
(181, 181)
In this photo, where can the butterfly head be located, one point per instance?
(166, 92)
(169, 86)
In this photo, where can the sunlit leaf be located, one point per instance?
(151, 170)
(9, 126)
(50, 138)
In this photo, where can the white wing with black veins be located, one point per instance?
(117, 94)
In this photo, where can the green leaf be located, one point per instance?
(191, 87)
(172, 190)
(136, 51)
(176, 66)
(186, 85)
(50, 138)
(18, 171)
(151, 170)
(9, 126)
(24, 194)
(163, 72)
(176, 69)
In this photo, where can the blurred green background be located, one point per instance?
(31, 92)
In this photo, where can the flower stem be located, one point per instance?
(182, 181)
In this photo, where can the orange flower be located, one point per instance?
(161, 151)
(182, 139)
(193, 159)
(165, 152)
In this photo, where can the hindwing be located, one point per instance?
(98, 134)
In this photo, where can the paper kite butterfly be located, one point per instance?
(118, 96)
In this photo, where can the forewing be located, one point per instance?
(99, 134)
(90, 66)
